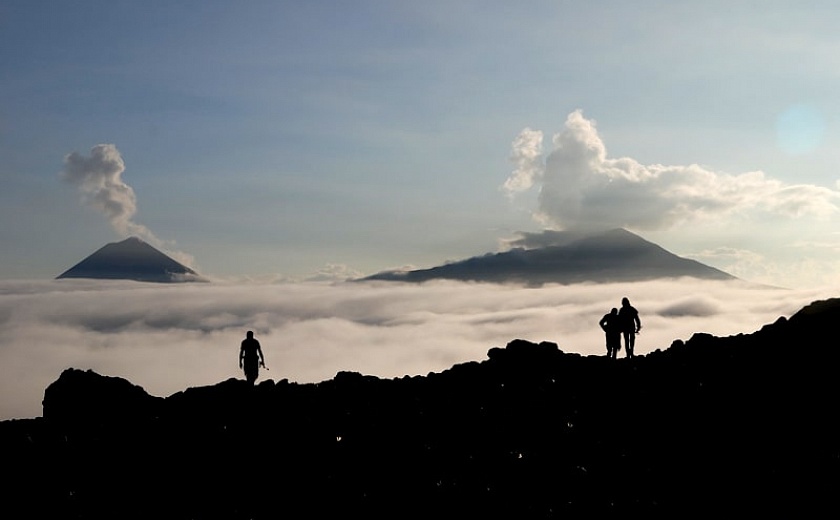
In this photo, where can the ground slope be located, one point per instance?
(724, 426)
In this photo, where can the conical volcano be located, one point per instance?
(131, 259)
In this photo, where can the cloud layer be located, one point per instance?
(580, 186)
(168, 338)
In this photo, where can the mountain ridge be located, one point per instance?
(615, 255)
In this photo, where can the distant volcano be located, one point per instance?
(131, 259)
(612, 256)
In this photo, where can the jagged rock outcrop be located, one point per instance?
(725, 426)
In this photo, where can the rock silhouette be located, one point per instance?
(724, 426)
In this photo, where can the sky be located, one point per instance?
(288, 139)
(277, 146)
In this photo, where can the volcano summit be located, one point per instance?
(131, 259)
(616, 255)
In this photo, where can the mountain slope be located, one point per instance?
(614, 256)
(130, 259)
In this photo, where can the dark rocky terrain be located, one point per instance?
(744, 425)
(616, 255)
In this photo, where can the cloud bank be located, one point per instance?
(580, 186)
(168, 338)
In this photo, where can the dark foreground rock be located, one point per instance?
(735, 426)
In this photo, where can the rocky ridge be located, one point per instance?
(715, 425)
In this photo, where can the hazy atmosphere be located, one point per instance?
(280, 148)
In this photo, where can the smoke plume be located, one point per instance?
(99, 179)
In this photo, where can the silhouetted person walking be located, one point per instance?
(630, 325)
(611, 326)
(251, 357)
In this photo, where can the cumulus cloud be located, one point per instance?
(581, 186)
(99, 179)
(526, 154)
(166, 338)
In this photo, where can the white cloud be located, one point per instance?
(166, 338)
(526, 154)
(580, 186)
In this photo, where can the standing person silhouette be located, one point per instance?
(630, 325)
(251, 357)
(611, 325)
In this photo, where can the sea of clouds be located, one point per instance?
(167, 338)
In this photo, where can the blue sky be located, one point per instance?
(289, 138)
